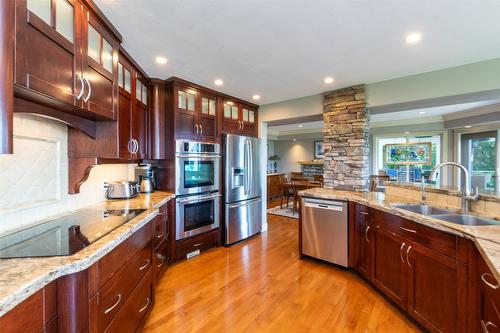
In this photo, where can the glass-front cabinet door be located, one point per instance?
(47, 57)
(100, 68)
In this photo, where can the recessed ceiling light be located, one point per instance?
(413, 38)
(407, 132)
(218, 82)
(328, 80)
(161, 60)
(468, 126)
(421, 112)
(300, 126)
(294, 140)
(256, 97)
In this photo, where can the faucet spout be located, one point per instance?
(467, 192)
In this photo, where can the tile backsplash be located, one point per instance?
(34, 180)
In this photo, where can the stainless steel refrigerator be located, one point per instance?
(242, 190)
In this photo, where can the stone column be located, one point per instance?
(345, 134)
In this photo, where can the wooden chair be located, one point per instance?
(376, 181)
(298, 184)
(318, 180)
(296, 175)
(286, 190)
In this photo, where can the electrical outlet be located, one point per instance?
(105, 185)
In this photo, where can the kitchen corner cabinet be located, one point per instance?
(238, 118)
(420, 269)
(65, 57)
(194, 114)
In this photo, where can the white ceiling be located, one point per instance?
(283, 49)
(309, 127)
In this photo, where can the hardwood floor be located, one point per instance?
(261, 286)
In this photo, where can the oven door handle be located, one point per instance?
(199, 198)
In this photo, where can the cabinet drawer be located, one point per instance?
(201, 242)
(104, 269)
(160, 231)
(490, 294)
(108, 301)
(135, 308)
(431, 238)
(160, 259)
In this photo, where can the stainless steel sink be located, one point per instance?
(466, 219)
(424, 209)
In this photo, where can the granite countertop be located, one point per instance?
(486, 238)
(20, 278)
(483, 194)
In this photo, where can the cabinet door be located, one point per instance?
(186, 106)
(389, 265)
(249, 121)
(100, 61)
(231, 118)
(125, 107)
(207, 118)
(437, 290)
(363, 242)
(47, 45)
(139, 118)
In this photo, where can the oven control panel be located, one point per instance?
(194, 147)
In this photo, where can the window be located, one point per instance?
(408, 173)
(479, 152)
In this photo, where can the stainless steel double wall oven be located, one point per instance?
(197, 172)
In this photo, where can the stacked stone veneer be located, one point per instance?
(346, 139)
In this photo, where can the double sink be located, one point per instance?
(448, 215)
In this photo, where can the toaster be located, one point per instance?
(122, 189)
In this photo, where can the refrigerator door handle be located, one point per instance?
(245, 203)
(250, 154)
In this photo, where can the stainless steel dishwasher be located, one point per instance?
(325, 230)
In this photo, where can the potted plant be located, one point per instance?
(275, 159)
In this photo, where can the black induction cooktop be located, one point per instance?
(66, 235)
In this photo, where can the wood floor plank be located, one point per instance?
(260, 285)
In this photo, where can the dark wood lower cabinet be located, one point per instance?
(388, 265)
(424, 272)
(201, 242)
(437, 290)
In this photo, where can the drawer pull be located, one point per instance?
(409, 230)
(408, 256)
(145, 265)
(401, 253)
(145, 306)
(366, 234)
(364, 213)
(198, 244)
(485, 325)
(160, 235)
(489, 284)
(118, 300)
(162, 261)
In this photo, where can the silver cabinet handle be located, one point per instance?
(363, 213)
(145, 306)
(136, 145)
(366, 234)
(201, 129)
(80, 94)
(489, 284)
(242, 125)
(86, 98)
(129, 146)
(145, 265)
(409, 230)
(118, 300)
(485, 325)
(408, 256)
(198, 244)
(401, 253)
(160, 235)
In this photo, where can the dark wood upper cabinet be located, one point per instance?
(47, 57)
(238, 118)
(139, 115)
(66, 57)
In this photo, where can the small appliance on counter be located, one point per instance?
(145, 171)
(122, 189)
(146, 185)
